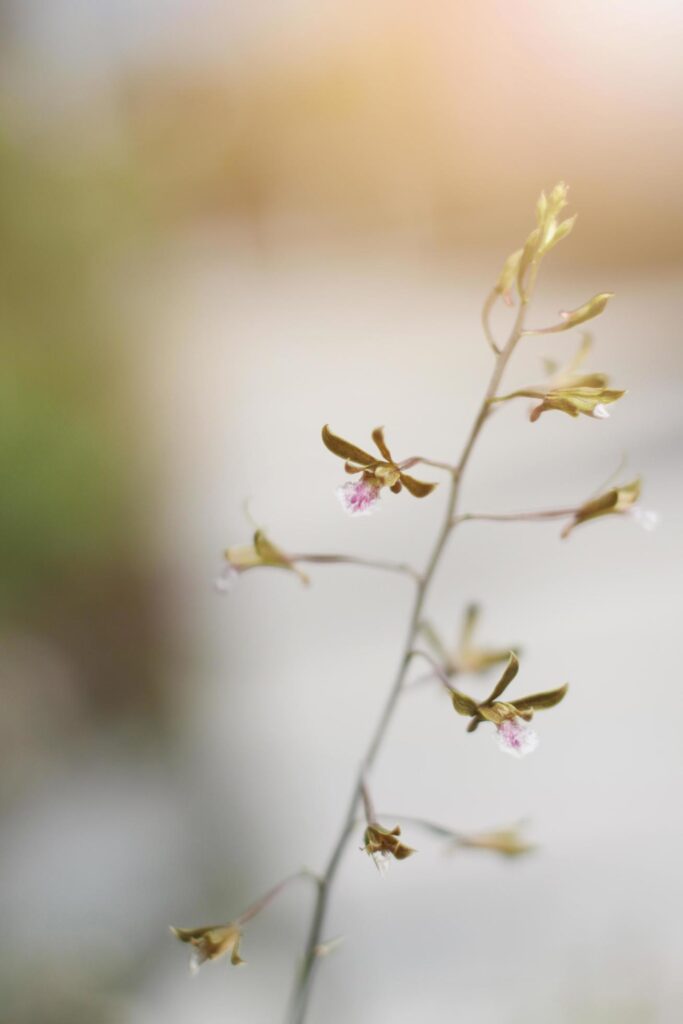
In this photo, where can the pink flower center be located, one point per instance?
(362, 496)
(516, 737)
(359, 497)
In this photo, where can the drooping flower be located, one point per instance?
(617, 501)
(509, 717)
(568, 391)
(361, 496)
(382, 843)
(505, 841)
(211, 942)
(262, 552)
(467, 657)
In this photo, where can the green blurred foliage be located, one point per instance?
(66, 480)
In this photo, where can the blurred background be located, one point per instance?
(224, 224)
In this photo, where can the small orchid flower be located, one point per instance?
(361, 497)
(506, 841)
(617, 501)
(510, 718)
(210, 943)
(570, 392)
(381, 844)
(262, 552)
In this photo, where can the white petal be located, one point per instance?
(516, 738)
(645, 517)
(226, 579)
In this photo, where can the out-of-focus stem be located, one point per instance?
(299, 1005)
(516, 517)
(485, 320)
(368, 563)
(267, 898)
(368, 806)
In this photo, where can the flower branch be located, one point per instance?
(376, 473)
(299, 1005)
(506, 841)
(210, 942)
(517, 517)
(368, 563)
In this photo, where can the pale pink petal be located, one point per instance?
(516, 737)
(359, 497)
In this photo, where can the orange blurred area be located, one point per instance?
(224, 225)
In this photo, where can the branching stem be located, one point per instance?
(368, 563)
(268, 897)
(301, 996)
(516, 517)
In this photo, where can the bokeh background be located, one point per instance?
(224, 224)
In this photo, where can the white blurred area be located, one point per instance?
(245, 335)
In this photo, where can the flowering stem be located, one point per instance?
(415, 459)
(437, 669)
(268, 897)
(368, 806)
(429, 826)
(516, 517)
(428, 677)
(368, 563)
(301, 996)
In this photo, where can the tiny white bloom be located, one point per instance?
(645, 517)
(601, 412)
(226, 579)
(516, 737)
(196, 960)
(381, 859)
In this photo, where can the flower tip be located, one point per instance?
(601, 412)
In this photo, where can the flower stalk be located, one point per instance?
(302, 993)
(374, 474)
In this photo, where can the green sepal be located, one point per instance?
(541, 701)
